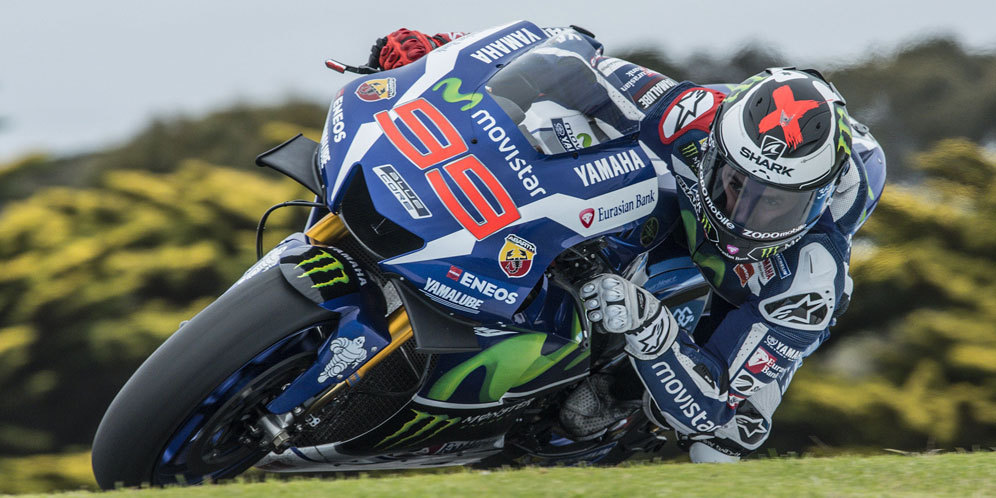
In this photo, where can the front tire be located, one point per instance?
(177, 418)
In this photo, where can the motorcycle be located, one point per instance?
(428, 315)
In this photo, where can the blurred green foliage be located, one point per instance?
(102, 256)
(47, 473)
(97, 272)
(912, 363)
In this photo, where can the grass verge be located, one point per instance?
(957, 474)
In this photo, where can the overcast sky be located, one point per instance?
(80, 75)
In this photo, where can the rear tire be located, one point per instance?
(170, 391)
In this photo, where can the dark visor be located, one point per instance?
(757, 206)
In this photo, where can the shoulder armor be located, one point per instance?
(809, 302)
(693, 108)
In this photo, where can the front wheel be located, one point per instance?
(189, 412)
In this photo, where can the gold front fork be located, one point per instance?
(328, 230)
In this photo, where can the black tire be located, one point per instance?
(189, 366)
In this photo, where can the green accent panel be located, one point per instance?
(576, 328)
(452, 93)
(737, 91)
(510, 363)
(843, 121)
(714, 264)
(688, 220)
(581, 357)
(709, 262)
(440, 422)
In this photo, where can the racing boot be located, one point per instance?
(701, 448)
(591, 408)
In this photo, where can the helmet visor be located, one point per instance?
(760, 211)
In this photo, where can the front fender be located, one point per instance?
(332, 279)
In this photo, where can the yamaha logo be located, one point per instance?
(772, 147)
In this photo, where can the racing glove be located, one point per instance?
(618, 306)
(405, 46)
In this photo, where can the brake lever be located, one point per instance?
(342, 68)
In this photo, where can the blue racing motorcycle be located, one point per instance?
(427, 316)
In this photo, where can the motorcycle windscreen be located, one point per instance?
(558, 101)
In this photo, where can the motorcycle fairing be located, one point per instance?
(464, 385)
(436, 92)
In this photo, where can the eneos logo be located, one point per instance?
(378, 89)
(516, 256)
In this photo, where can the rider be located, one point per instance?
(774, 181)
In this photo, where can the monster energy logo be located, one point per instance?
(767, 252)
(710, 231)
(425, 425)
(690, 151)
(452, 93)
(334, 265)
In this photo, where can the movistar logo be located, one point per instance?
(452, 93)
(332, 264)
(422, 427)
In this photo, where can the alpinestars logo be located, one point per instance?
(786, 114)
(652, 343)
(752, 429)
(803, 309)
(690, 107)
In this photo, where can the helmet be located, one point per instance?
(775, 152)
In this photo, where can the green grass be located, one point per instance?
(960, 474)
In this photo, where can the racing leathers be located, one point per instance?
(722, 384)
(717, 380)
